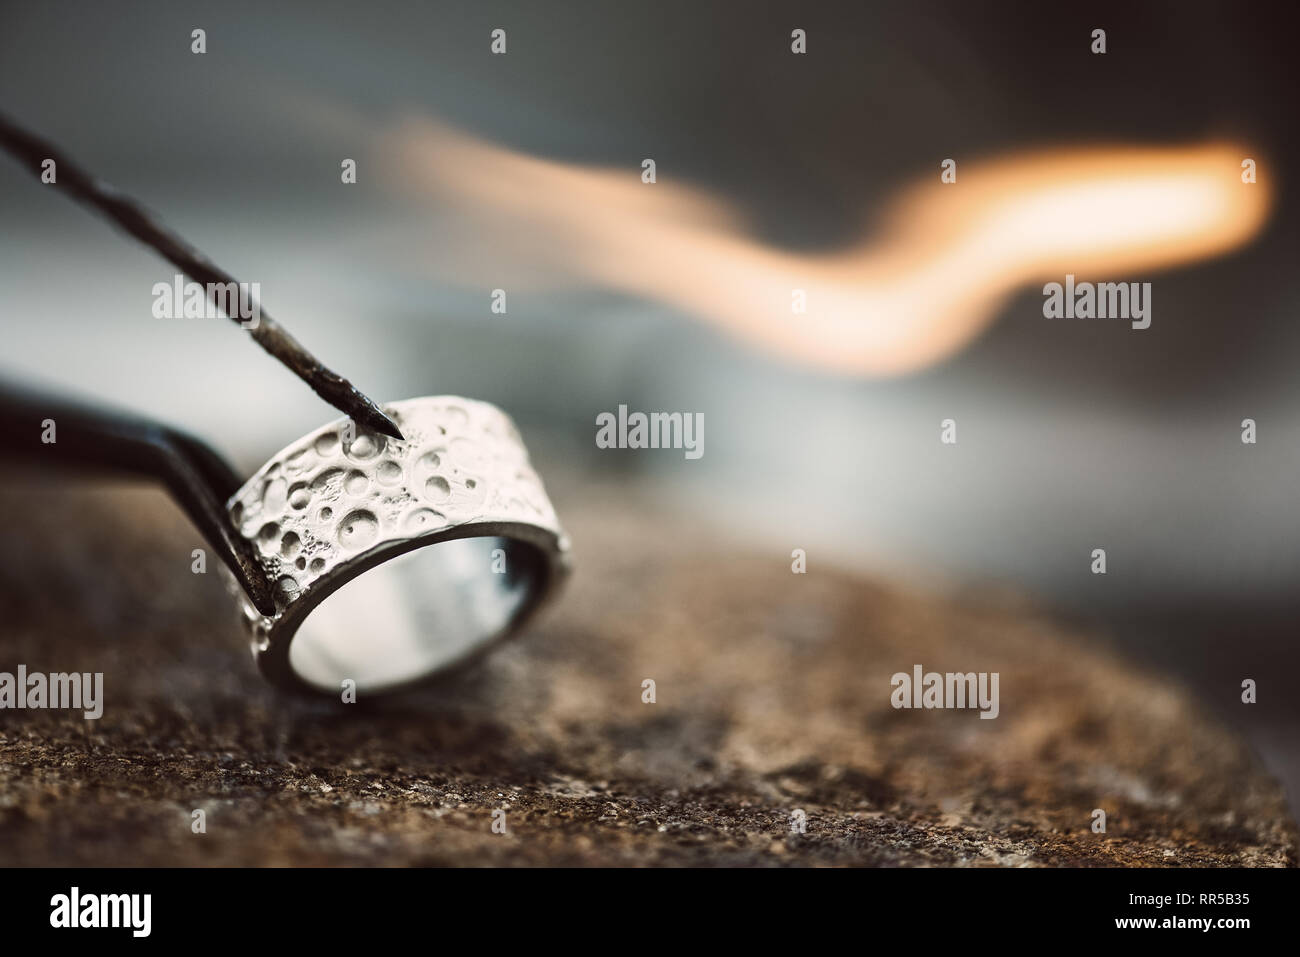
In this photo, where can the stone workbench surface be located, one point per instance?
(773, 695)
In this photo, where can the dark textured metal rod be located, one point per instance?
(134, 219)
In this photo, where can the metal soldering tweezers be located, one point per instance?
(100, 440)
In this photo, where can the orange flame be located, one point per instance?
(929, 283)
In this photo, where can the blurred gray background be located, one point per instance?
(1072, 436)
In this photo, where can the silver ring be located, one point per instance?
(397, 560)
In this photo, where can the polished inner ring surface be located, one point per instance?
(417, 614)
(393, 560)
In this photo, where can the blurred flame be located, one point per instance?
(924, 287)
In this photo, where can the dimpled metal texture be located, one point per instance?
(342, 493)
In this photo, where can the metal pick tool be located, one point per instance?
(199, 479)
(129, 215)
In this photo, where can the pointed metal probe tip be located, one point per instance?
(372, 417)
(330, 386)
(140, 223)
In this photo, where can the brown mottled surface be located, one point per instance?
(773, 694)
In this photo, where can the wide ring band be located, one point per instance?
(451, 527)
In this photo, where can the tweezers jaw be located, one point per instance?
(99, 440)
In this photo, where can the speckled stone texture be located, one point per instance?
(773, 695)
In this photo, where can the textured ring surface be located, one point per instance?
(343, 500)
